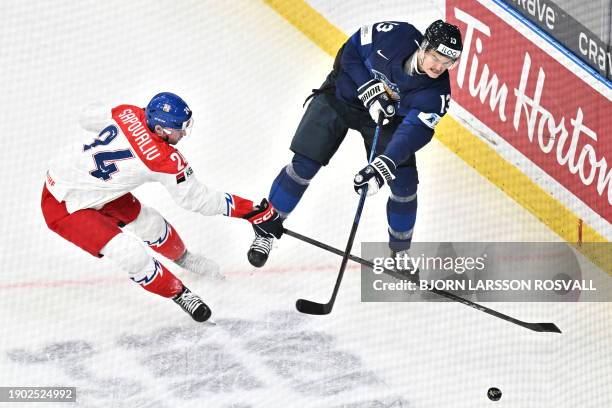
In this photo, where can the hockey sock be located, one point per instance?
(157, 233)
(291, 183)
(129, 254)
(401, 217)
(155, 278)
(169, 244)
(402, 208)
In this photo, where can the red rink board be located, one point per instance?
(535, 103)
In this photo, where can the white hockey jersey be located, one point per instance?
(122, 157)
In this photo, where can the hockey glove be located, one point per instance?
(376, 99)
(266, 221)
(374, 175)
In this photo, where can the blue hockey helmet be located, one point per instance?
(169, 111)
(444, 38)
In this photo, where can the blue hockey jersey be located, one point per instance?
(379, 51)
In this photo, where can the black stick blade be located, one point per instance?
(312, 308)
(544, 327)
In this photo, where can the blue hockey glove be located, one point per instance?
(374, 175)
(375, 98)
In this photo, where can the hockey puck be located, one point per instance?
(494, 394)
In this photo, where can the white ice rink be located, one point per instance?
(72, 320)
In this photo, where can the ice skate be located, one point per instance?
(200, 265)
(193, 305)
(260, 250)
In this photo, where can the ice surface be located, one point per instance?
(72, 320)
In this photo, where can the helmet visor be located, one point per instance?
(180, 131)
(187, 126)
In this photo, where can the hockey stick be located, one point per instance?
(539, 327)
(314, 308)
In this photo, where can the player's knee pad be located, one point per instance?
(291, 183)
(405, 182)
(149, 225)
(158, 233)
(127, 253)
(304, 167)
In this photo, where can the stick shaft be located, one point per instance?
(540, 327)
(306, 306)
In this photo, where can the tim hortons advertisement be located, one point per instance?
(537, 104)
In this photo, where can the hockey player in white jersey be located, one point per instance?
(86, 198)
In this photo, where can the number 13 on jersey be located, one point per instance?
(445, 102)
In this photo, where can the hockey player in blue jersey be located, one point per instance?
(389, 68)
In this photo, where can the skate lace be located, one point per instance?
(190, 301)
(262, 244)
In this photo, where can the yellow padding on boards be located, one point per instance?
(475, 152)
(310, 22)
(523, 190)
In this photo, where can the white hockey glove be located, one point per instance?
(376, 99)
(374, 175)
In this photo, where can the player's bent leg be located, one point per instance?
(289, 186)
(317, 138)
(157, 233)
(402, 209)
(129, 254)
(98, 233)
(285, 194)
(163, 238)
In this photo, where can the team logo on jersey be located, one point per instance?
(390, 87)
(379, 52)
(429, 119)
(184, 175)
